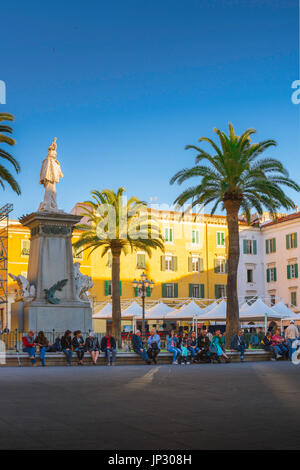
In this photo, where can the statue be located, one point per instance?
(82, 283)
(26, 291)
(49, 293)
(49, 177)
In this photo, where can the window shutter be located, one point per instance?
(268, 275)
(148, 294)
(223, 238)
(245, 246)
(287, 238)
(175, 289)
(254, 247)
(136, 291)
(174, 260)
(171, 234)
(201, 264)
(288, 271)
(267, 246)
(202, 291)
(166, 235)
(163, 263)
(106, 287)
(216, 291)
(120, 287)
(191, 290)
(274, 245)
(295, 240)
(215, 266)
(197, 237)
(296, 270)
(190, 262)
(193, 236)
(218, 238)
(164, 290)
(275, 274)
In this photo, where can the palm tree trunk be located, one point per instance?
(232, 313)
(116, 294)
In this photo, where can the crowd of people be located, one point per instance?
(186, 348)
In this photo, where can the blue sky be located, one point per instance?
(125, 85)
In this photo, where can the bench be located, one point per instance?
(11, 358)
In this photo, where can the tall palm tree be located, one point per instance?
(5, 174)
(117, 226)
(236, 177)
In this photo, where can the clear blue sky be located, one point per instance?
(125, 85)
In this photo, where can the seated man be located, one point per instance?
(203, 347)
(153, 345)
(238, 344)
(280, 346)
(138, 348)
(109, 347)
(29, 345)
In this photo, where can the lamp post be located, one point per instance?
(142, 286)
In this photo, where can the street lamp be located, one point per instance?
(142, 286)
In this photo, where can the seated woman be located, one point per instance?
(173, 346)
(78, 345)
(279, 344)
(216, 347)
(66, 346)
(192, 345)
(92, 346)
(42, 342)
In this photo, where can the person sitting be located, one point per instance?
(203, 347)
(266, 344)
(109, 347)
(254, 340)
(216, 347)
(153, 346)
(260, 335)
(184, 352)
(42, 342)
(173, 346)
(29, 345)
(291, 334)
(92, 346)
(281, 348)
(138, 347)
(193, 346)
(66, 346)
(78, 345)
(238, 344)
(56, 346)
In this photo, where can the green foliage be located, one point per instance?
(5, 174)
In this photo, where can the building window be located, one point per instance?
(292, 271)
(271, 275)
(250, 299)
(141, 261)
(195, 264)
(170, 290)
(168, 263)
(291, 240)
(220, 266)
(273, 299)
(221, 239)
(108, 288)
(195, 237)
(25, 248)
(196, 291)
(250, 247)
(77, 254)
(249, 275)
(220, 291)
(294, 299)
(169, 234)
(271, 245)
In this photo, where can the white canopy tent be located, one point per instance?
(283, 310)
(104, 313)
(158, 312)
(133, 310)
(186, 312)
(258, 310)
(216, 313)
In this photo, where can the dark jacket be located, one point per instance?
(92, 344)
(78, 343)
(43, 342)
(66, 342)
(266, 342)
(237, 341)
(137, 342)
(203, 342)
(113, 344)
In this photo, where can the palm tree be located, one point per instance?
(115, 226)
(5, 174)
(236, 177)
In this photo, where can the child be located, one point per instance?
(184, 352)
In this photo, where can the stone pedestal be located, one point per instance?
(50, 261)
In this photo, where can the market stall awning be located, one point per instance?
(187, 311)
(104, 312)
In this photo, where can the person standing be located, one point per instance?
(291, 334)
(238, 344)
(109, 347)
(66, 346)
(92, 346)
(78, 345)
(153, 345)
(42, 342)
(29, 346)
(138, 347)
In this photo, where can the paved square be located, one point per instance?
(230, 406)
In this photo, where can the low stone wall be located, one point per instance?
(12, 359)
